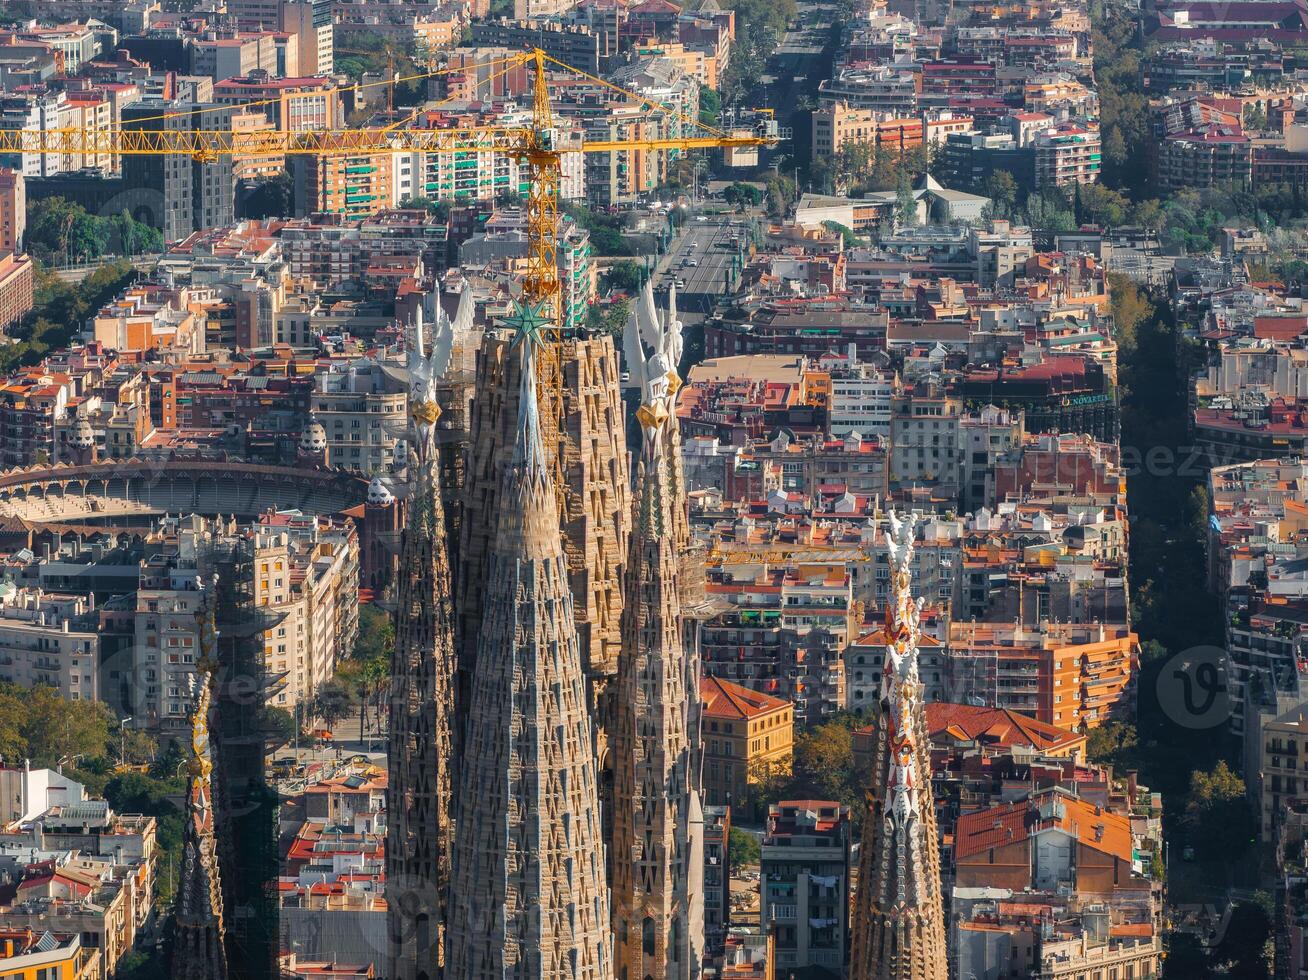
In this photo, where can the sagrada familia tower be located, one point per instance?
(657, 851)
(552, 648)
(899, 923)
(528, 863)
(199, 940)
(418, 793)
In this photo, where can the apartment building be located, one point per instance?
(717, 877)
(622, 176)
(13, 210)
(311, 23)
(170, 607)
(1205, 156)
(185, 194)
(504, 244)
(26, 954)
(235, 56)
(746, 735)
(860, 399)
(1282, 774)
(532, 27)
(49, 639)
(356, 186)
(39, 110)
(1066, 156)
(306, 576)
(1069, 675)
(839, 125)
(293, 105)
(924, 430)
(75, 867)
(362, 408)
(17, 282)
(29, 404)
(804, 892)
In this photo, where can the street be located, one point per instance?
(700, 261)
(801, 62)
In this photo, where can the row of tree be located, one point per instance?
(61, 231)
(60, 310)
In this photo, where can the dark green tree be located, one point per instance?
(743, 848)
(332, 702)
(627, 276)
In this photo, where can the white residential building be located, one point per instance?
(47, 638)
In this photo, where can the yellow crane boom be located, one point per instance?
(531, 143)
(212, 143)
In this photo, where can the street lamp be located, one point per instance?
(122, 740)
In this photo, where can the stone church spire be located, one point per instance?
(657, 823)
(528, 868)
(899, 921)
(198, 951)
(418, 834)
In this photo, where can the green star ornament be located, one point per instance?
(529, 322)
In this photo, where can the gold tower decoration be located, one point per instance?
(199, 951)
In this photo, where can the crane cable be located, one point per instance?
(514, 62)
(648, 103)
(356, 86)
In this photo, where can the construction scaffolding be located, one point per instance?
(246, 806)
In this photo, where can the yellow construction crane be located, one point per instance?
(532, 144)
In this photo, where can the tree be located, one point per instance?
(376, 637)
(139, 748)
(1197, 507)
(1112, 743)
(59, 230)
(134, 792)
(1130, 307)
(268, 198)
(766, 783)
(780, 194)
(906, 204)
(615, 320)
(1048, 211)
(1001, 188)
(626, 275)
(1102, 205)
(277, 725)
(332, 702)
(1245, 950)
(56, 729)
(1148, 214)
(743, 848)
(742, 195)
(824, 762)
(1216, 816)
(1186, 959)
(710, 106)
(145, 963)
(13, 744)
(848, 237)
(438, 209)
